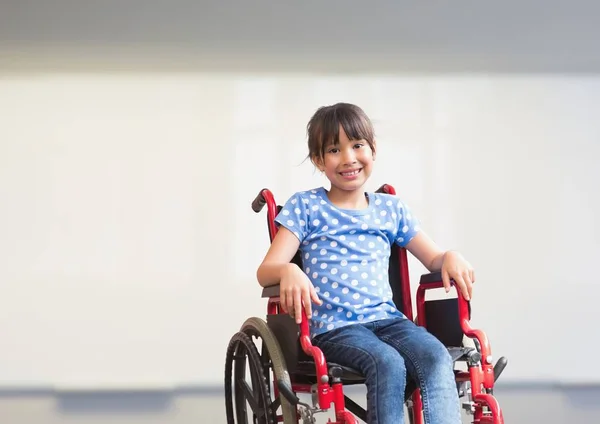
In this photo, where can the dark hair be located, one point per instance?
(324, 127)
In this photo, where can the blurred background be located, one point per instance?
(135, 134)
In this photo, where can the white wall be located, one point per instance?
(128, 246)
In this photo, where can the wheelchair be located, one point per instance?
(288, 364)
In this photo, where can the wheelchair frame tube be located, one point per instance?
(404, 274)
(325, 396)
(492, 403)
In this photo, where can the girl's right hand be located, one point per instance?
(296, 292)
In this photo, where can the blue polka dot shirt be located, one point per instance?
(345, 253)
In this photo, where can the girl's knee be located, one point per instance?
(436, 355)
(386, 362)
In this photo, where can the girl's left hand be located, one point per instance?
(455, 267)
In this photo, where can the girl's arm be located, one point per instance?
(451, 264)
(296, 291)
(283, 248)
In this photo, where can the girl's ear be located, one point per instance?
(374, 149)
(317, 162)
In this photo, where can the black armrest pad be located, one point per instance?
(434, 277)
(271, 291)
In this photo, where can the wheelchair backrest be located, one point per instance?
(395, 272)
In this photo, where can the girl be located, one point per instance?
(344, 235)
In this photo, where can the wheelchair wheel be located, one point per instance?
(243, 351)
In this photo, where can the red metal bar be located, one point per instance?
(273, 305)
(405, 284)
(344, 417)
(421, 306)
(323, 389)
(301, 388)
(339, 403)
(326, 395)
(404, 274)
(492, 403)
(462, 376)
(417, 407)
(271, 212)
(487, 368)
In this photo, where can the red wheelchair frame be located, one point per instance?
(329, 386)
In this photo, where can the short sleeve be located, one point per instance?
(294, 216)
(408, 225)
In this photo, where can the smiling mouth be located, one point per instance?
(350, 173)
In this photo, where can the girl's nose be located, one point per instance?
(349, 157)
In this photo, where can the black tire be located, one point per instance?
(275, 361)
(241, 350)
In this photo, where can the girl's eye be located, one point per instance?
(334, 150)
(358, 145)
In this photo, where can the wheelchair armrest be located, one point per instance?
(271, 291)
(304, 339)
(433, 281)
(434, 277)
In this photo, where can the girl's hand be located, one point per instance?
(296, 291)
(455, 267)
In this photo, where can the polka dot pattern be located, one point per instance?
(346, 253)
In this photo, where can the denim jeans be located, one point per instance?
(384, 352)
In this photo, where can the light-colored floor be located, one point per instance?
(521, 404)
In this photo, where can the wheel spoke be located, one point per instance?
(249, 395)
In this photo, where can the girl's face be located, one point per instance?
(347, 165)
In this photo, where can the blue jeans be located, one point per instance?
(384, 352)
